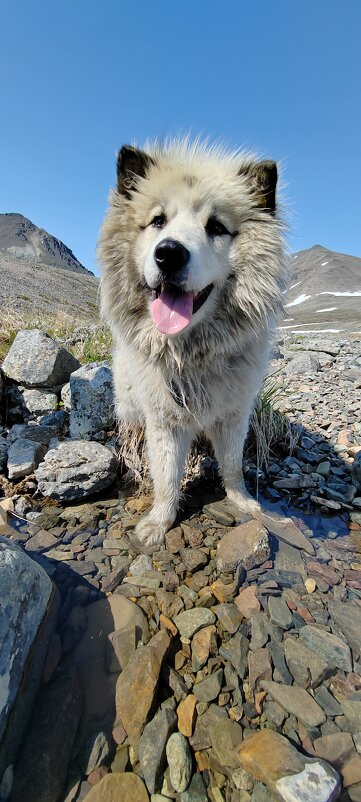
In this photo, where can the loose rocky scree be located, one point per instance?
(225, 666)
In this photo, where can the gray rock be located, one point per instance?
(208, 689)
(298, 652)
(3, 452)
(37, 434)
(179, 761)
(95, 753)
(190, 621)
(236, 651)
(152, 748)
(92, 403)
(39, 401)
(23, 457)
(41, 771)
(141, 564)
(356, 471)
(318, 780)
(279, 612)
(36, 360)
(303, 363)
(348, 619)
(28, 607)
(351, 707)
(334, 651)
(65, 396)
(297, 701)
(196, 791)
(75, 469)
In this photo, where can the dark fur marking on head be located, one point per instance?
(131, 164)
(190, 180)
(263, 176)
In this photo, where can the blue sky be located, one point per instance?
(80, 78)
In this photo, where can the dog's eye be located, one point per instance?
(215, 228)
(159, 221)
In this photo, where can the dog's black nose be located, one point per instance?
(171, 256)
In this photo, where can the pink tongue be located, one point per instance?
(172, 312)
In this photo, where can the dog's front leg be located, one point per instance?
(228, 439)
(167, 451)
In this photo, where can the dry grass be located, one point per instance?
(89, 342)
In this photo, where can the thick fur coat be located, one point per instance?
(191, 222)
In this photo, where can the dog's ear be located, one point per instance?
(131, 164)
(263, 176)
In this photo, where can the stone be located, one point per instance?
(246, 545)
(334, 748)
(351, 707)
(196, 791)
(36, 360)
(356, 471)
(137, 686)
(236, 651)
(201, 738)
(23, 457)
(121, 645)
(50, 737)
(118, 786)
(88, 656)
(75, 469)
(111, 581)
(285, 529)
(179, 761)
(347, 616)
(29, 606)
(297, 651)
(303, 363)
(208, 689)
(39, 401)
(152, 748)
(38, 434)
(186, 712)
(203, 643)
(291, 776)
(3, 452)
(310, 585)
(228, 616)
(92, 402)
(95, 752)
(280, 615)
(42, 541)
(226, 736)
(247, 602)
(141, 564)
(190, 621)
(331, 648)
(260, 667)
(296, 701)
(74, 629)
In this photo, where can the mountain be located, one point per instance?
(39, 275)
(324, 292)
(20, 238)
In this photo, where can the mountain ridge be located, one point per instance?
(22, 239)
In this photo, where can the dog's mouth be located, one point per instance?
(172, 309)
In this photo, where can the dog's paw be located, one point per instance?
(150, 532)
(244, 502)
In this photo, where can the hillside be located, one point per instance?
(41, 275)
(324, 292)
(21, 239)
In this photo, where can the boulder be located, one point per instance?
(23, 457)
(36, 360)
(92, 405)
(28, 604)
(75, 469)
(3, 452)
(303, 363)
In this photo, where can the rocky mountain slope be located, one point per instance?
(41, 275)
(324, 293)
(20, 238)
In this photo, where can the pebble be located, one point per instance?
(208, 689)
(179, 761)
(246, 545)
(190, 621)
(247, 602)
(122, 785)
(186, 712)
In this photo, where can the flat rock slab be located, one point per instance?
(36, 360)
(75, 469)
(297, 701)
(28, 613)
(284, 529)
(152, 748)
(347, 616)
(246, 545)
(190, 621)
(334, 651)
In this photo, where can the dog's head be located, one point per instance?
(182, 216)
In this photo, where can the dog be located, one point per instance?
(193, 271)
